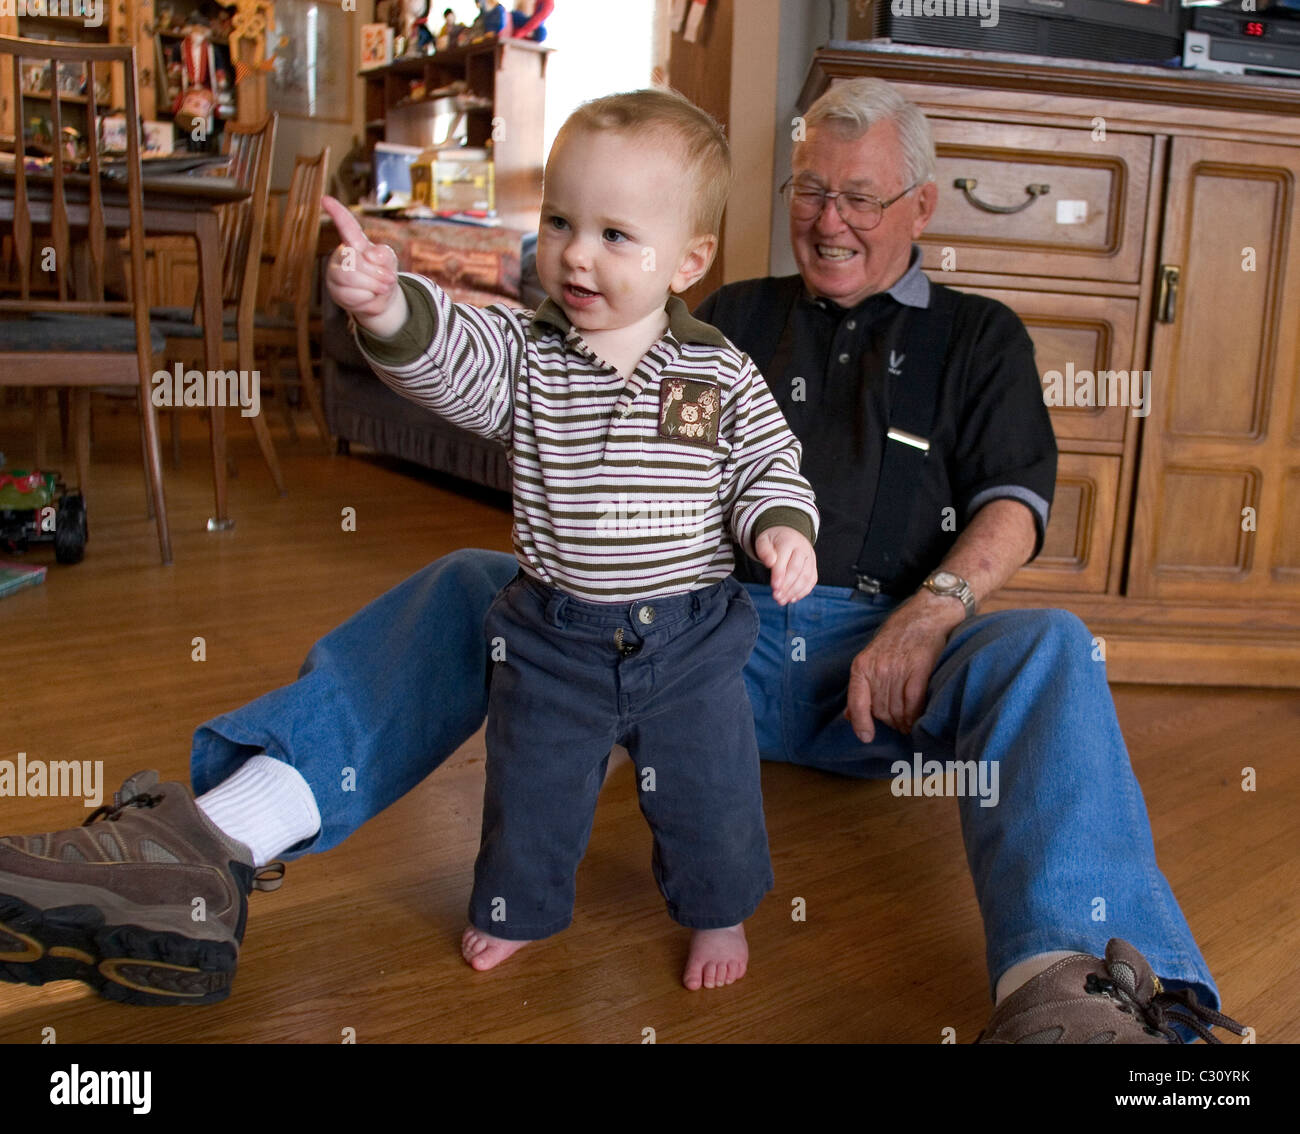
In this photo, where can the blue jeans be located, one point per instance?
(385, 698)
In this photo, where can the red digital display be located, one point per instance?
(1252, 27)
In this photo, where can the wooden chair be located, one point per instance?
(86, 340)
(285, 321)
(243, 224)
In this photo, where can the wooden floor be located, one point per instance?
(97, 666)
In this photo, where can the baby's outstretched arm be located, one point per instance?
(458, 360)
(362, 277)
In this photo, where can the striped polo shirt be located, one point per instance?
(624, 489)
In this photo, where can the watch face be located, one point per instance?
(946, 580)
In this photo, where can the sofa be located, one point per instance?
(474, 265)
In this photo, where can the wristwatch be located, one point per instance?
(953, 586)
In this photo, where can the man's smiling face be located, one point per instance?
(844, 264)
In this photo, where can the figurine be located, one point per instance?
(196, 105)
(492, 19)
(412, 16)
(449, 34)
(529, 18)
(421, 35)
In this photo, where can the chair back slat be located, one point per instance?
(135, 194)
(97, 228)
(22, 222)
(295, 257)
(59, 203)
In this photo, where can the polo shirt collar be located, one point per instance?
(682, 325)
(911, 290)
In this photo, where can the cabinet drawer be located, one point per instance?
(1076, 550)
(1088, 224)
(1079, 338)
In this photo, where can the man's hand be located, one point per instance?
(362, 277)
(791, 559)
(888, 680)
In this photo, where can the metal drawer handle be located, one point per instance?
(1167, 299)
(967, 185)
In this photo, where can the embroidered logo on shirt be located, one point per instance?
(689, 411)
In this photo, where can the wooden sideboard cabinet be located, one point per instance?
(1157, 233)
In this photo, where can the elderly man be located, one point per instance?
(927, 442)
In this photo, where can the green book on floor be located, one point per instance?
(13, 576)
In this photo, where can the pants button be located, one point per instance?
(646, 615)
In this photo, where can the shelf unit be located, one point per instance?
(118, 19)
(509, 76)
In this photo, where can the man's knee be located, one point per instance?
(1059, 629)
(1056, 631)
(474, 573)
(1023, 647)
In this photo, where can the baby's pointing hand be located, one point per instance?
(362, 277)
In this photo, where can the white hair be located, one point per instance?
(856, 105)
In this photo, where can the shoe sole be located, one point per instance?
(126, 963)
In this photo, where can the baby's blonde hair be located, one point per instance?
(661, 113)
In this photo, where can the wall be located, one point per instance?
(805, 26)
(596, 54)
(748, 71)
(753, 102)
(307, 136)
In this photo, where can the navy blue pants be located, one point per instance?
(662, 677)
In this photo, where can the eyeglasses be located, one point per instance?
(857, 210)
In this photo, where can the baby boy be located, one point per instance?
(641, 443)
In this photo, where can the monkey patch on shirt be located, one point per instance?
(689, 410)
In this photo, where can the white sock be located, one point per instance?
(1022, 972)
(266, 805)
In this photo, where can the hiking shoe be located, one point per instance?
(1083, 999)
(146, 905)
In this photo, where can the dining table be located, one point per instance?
(175, 204)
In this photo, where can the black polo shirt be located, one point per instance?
(991, 438)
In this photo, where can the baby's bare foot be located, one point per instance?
(483, 951)
(718, 957)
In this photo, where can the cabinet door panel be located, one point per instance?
(1218, 499)
(1076, 549)
(1079, 337)
(1088, 225)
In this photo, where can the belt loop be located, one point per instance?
(555, 609)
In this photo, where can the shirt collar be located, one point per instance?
(683, 326)
(911, 290)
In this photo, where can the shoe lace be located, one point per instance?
(114, 810)
(268, 877)
(1166, 1008)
